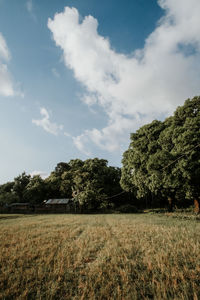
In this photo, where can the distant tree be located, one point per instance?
(94, 182)
(75, 164)
(35, 190)
(91, 199)
(7, 187)
(53, 183)
(20, 184)
(66, 184)
(90, 183)
(61, 168)
(7, 195)
(111, 181)
(60, 182)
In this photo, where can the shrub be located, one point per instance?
(127, 208)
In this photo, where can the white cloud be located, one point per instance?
(29, 6)
(41, 173)
(4, 51)
(55, 72)
(30, 9)
(132, 89)
(6, 85)
(67, 134)
(80, 142)
(46, 124)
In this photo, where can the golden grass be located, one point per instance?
(99, 257)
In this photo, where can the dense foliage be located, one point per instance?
(163, 159)
(89, 184)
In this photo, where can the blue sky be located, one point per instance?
(76, 77)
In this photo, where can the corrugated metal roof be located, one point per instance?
(19, 204)
(57, 201)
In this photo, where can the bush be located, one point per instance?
(127, 208)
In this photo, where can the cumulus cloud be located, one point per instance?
(46, 124)
(132, 89)
(6, 85)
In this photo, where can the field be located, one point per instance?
(132, 256)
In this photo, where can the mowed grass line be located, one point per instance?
(99, 257)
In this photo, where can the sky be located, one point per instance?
(78, 76)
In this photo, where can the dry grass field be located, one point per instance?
(99, 257)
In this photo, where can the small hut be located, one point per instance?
(21, 208)
(58, 205)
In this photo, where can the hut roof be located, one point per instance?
(57, 201)
(20, 204)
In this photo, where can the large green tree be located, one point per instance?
(135, 173)
(186, 141)
(163, 158)
(94, 183)
(163, 182)
(179, 157)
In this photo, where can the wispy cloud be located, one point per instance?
(132, 89)
(30, 9)
(6, 84)
(29, 6)
(80, 142)
(4, 51)
(55, 72)
(46, 124)
(67, 134)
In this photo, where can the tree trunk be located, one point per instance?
(170, 204)
(196, 206)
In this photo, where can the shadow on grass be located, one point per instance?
(9, 217)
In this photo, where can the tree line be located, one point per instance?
(160, 167)
(90, 183)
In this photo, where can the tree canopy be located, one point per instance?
(163, 158)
